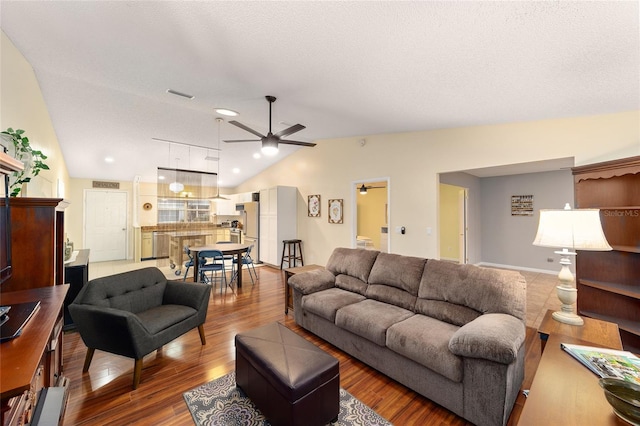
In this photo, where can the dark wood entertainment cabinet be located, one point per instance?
(609, 282)
(32, 361)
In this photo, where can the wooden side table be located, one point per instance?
(595, 331)
(563, 391)
(288, 273)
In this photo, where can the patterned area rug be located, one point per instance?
(220, 403)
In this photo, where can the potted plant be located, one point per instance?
(32, 159)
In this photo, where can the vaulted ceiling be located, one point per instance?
(340, 68)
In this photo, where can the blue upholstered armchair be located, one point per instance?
(134, 313)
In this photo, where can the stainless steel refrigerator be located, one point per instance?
(251, 226)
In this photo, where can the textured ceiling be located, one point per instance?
(340, 68)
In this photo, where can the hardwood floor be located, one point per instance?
(104, 394)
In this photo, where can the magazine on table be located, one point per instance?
(606, 362)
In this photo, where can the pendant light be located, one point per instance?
(176, 187)
(218, 196)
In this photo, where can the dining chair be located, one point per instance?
(215, 266)
(189, 263)
(245, 260)
(227, 257)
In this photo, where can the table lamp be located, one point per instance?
(570, 230)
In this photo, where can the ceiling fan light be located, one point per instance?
(227, 112)
(269, 146)
(176, 187)
(363, 190)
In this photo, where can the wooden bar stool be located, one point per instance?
(293, 249)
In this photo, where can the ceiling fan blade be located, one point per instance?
(290, 130)
(297, 143)
(248, 129)
(242, 140)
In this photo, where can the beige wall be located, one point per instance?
(22, 107)
(413, 162)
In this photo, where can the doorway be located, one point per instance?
(453, 223)
(105, 224)
(371, 214)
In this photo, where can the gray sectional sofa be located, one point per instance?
(453, 333)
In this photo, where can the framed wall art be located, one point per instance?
(335, 211)
(313, 205)
(522, 205)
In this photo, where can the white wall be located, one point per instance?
(413, 161)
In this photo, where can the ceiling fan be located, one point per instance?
(363, 188)
(271, 141)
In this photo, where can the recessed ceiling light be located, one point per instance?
(236, 170)
(160, 177)
(257, 155)
(225, 111)
(184, 95)
(109, 160)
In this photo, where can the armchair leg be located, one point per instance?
(87, 359)
(137, 372)
(201, 331)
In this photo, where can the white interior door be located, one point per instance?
(105, 229)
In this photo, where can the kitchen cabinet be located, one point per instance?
(220, 234)
(608, 282)
(147, 245)
(226, 207)
(278, 221)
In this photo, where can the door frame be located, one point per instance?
(354, 208)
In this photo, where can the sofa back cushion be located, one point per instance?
(135, 291)
(395, 279)
(460, 293)
(354, 262)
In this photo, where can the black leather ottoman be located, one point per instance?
(289, 379)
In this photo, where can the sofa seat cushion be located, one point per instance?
(327, 302)
(425, 340)
(162, 317)
(371, 319)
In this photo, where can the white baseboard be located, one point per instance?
(518, 268)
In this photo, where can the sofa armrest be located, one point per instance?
(195, 295)
(496, 337)
(313, 281)
(110, 329)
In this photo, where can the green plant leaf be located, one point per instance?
(19, 131)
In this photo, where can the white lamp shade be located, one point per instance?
(578, 229)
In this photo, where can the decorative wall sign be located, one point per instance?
(335, 211)
(106, 185)
(522, 205)
(314, 205)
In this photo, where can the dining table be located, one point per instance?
(226, 249)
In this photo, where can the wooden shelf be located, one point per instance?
(632, 327)
(617, 288)
(610, 281)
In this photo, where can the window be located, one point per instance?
(180, 210)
